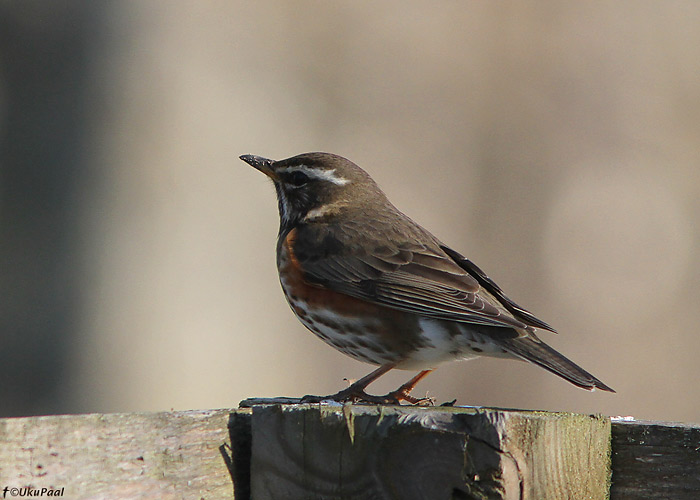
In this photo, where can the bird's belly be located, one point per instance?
(358, 337)
(449, 341)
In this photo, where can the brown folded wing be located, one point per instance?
(418, 278)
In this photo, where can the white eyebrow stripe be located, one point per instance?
(324, 175)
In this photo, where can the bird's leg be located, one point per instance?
(356, 391)
(403, 392)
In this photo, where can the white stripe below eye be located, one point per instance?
(322, 211)
(316, 173)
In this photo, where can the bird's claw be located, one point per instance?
(358, 395)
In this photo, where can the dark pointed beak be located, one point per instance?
(260, 163)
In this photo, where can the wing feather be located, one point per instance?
(420, 279)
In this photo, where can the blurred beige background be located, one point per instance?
(555, 144)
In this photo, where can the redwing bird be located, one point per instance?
(378, 287)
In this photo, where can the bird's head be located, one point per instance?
(316, 186)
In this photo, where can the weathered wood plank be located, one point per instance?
(307, 451)
(361, 452)
(655, 460)
(173, 455)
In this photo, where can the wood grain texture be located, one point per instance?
(312, 451)
(172, 455)
(368, 452)
(655, 460)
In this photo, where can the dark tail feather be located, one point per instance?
(541, 354)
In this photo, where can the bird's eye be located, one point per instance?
(298, 178)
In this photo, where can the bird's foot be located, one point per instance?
(349, 395)
(400, 394)
(355, 392)
(358, 395)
